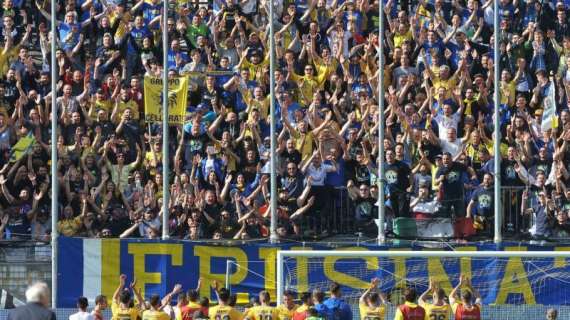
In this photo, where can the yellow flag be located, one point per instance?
(177, 99)
(22, 146)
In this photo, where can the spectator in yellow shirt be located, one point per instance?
(153, 158)
(307, 83)
(69, 226)
(326, 64)
(507, 88)
(123, 103)
(255, 65)
(304, 139)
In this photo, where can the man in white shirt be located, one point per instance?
(316, 172)
(451, 144)
(82, 314)
(448, 120)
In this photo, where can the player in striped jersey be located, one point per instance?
(438, 309)
(264, 311)
(372, 304)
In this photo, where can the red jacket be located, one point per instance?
(462, 313)
(412, 313)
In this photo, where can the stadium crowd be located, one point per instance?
(438, 77)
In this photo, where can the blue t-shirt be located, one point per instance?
(150, 12)
(338, 309)
(484, 200)
(357, 16)
(437, 45)
(171, 59)
(64, 31)
(138, 34)
(336, 178)
(84, 16)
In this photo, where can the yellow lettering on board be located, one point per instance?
(465, 263)
(139, 251)
(560, 262)
(302, 271)
(515, 280)
(269, 256)
(110, 266)
(206, 253)
(437, 272)
(344, 279)
(400, 273)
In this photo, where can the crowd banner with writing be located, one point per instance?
(177, 99)
(549, 118)
(89, 267)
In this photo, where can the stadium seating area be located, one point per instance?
(439, 125)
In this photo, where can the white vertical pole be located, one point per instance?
(279, 283)
(54, 182)
(273, 134)
(228, 272)
(497, 147)
(165, 156)
(381, 128)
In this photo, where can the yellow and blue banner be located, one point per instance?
(177, 99)
(89, 267)
(22, 147)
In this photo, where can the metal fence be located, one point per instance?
(515, 224)
(22, 263)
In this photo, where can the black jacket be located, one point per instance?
(30, 311)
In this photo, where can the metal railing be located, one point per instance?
(23, 263)
(514, 224)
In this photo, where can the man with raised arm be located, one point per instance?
(409, 310)
(438, 308)
(469, 308)
(188, 308)
(223, 310)
(372, 304)
(121, 305)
